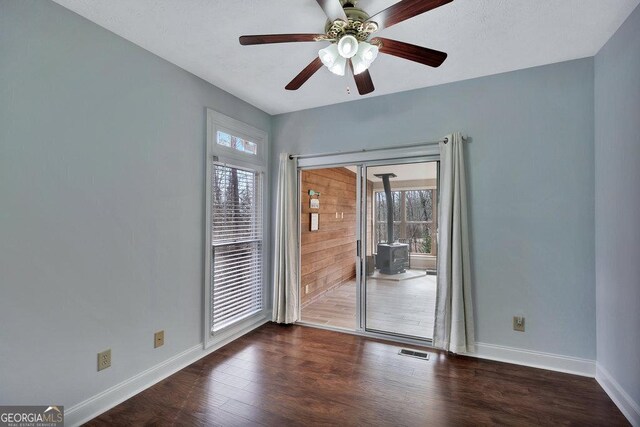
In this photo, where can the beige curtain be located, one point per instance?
(286, 251)
(453, 329)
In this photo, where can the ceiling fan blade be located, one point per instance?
(304, 75)
(278, 38)
(363, 81)
(333, 9)
(404, 10)
(423, 55)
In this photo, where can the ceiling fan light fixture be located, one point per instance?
(367, 52)
(359, 65)
(347, 29)
(365, 56)
(339, 66)
(348, 46)
(328, 55)
(332, 59)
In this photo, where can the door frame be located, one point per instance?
(427, 152)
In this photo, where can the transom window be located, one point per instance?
(242, 145)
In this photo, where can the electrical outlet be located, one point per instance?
(158, 339)
(518, 323)
(104, 359)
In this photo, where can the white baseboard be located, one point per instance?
(535, 359)
(499, 353)
(623, 401)
(102, 402)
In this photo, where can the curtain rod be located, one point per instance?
(364, 150)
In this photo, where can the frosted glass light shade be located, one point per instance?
(365, 56)
(367, 52)
(348, 46)
(339, 66)
(328, 55)
(332, 60)
(358, 65)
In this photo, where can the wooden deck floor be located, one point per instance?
(403, 307)
(292, 375)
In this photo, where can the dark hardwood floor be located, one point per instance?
(294, 375)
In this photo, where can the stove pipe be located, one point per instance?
(387, 192)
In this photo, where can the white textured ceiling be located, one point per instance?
(482, 37)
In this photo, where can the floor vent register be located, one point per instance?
(412, 353)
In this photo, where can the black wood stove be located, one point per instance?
(392, 258)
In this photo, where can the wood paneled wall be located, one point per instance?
(328, 255)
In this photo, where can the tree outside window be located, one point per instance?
(414, 219)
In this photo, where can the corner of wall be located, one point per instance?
(623, 401)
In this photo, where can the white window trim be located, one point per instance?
(231, 157)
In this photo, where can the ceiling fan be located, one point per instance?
(349, 29)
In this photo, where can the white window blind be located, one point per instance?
(236, 239)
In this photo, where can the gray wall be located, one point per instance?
(531, 174)
(101, 204)
(617, 178)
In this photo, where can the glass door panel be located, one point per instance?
(329, 233)
(401, 249)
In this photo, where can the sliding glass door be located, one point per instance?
(373, 272)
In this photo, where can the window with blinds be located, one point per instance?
(236, 240)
